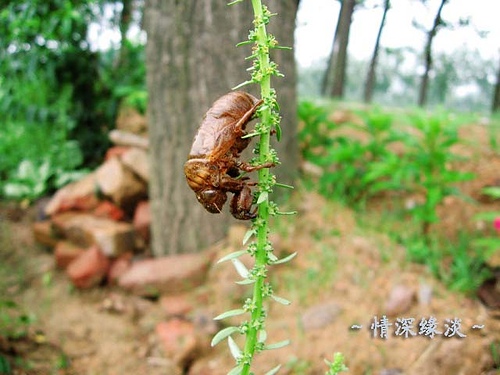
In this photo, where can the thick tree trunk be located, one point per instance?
(370, 78)
(191, 61)
(424, 83)
(496, 96)
(334, 78)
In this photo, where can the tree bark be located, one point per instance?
(496, 96)
(334, 78)
(424, 83)
(370, 78)
(191, 61)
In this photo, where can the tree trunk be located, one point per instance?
(191, 61)
(424, 83)
(370, 78)
(334, 78)
(496, 96)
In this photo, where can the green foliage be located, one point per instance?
(58, 97)
(358, 161)
(13, 322)
(254, 329)
(353, 169)
(428, 161)
(458, 265)
(337, 365)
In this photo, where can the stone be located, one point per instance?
(130, 120)
(400, 300)
(170, 274)
(142, 220)
(176, 305)
(79, 195)
(179, 340)
(112, 237)
(43, 233)
(116, 152)
(66, 252)
(137, 160)
(119, 184)
(88, 269)
(124, 138)
(109, 210)
(320, 315)
(424, 294)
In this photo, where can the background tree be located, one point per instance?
(370, 78)
(334, 78)
(496, 96)
(424, 83)
(191, 61)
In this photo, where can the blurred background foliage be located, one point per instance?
(59, 95)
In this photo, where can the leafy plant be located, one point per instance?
(428, 161)
(13, 322)
(261, 248)
(353, 169)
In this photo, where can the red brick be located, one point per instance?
(88, 269)
(118, 267)
(176, 305)
(109, 210)
(79, 195)
(65, 252)
(179, 340)
(170, 274)
(115, 152)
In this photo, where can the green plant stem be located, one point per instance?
(263, 210)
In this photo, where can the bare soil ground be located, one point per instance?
(340, 263)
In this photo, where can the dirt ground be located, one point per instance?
(343, 276)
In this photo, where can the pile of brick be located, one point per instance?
(97, 224)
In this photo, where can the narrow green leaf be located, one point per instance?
(229, 313)
(233, 255)
(273, 371)
(245, 282)
(241, 85)
(284, 185)
(234, 2)
(262, 335)
(247, 236)
(283, 47)
(222, 334)
(244, 43)
(263, 196)
(285, 259)
(249, 135)
(277, 345)
(236, 370)
(272, 258)
(277, 127)
(233, 348)
(283, 301)
(286, 213)
(240, 268)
